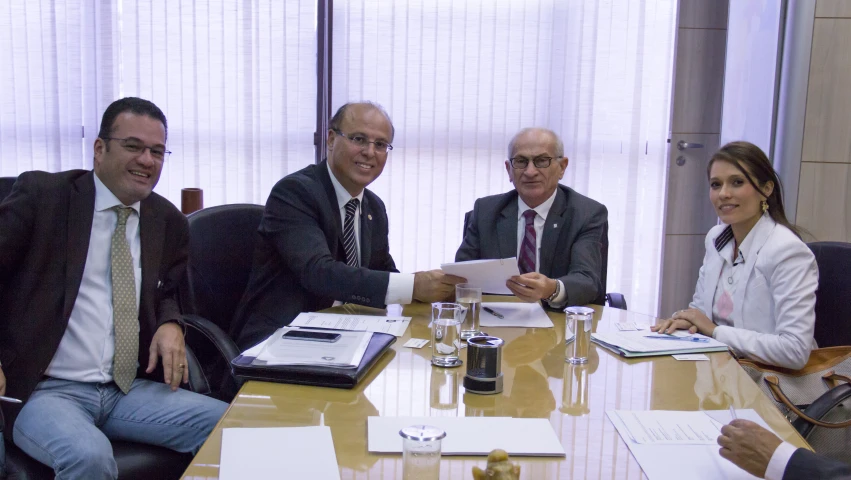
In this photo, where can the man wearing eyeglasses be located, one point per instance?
(324, 235)
(90, 332)
(554, 232)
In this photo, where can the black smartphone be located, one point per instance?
(312, 336)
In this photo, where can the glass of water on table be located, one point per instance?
(471, 298)
(446, 321)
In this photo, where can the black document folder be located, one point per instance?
(319, 375)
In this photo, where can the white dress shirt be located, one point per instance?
(400, 288)
(542, 211)
(779, 460)
(88, 345)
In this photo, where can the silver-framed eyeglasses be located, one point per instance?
(520, 163)
(363, 142)
(136, 146)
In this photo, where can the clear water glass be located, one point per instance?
(578, 321)
(471, 298)
(421, 452)
(446, 321)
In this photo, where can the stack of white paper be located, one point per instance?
(671, 445)
(364, 323)
(528, 315)
(636, 343)
(490, 275)
(471, 435)
(347, 352)
(273, 453)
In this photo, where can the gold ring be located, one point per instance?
(180, 365)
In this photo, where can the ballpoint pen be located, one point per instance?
(493, 312)
(682, 339)
(9, 399)
(733, 412)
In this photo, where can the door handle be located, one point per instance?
(682, 145)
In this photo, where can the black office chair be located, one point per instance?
(613, 299)
(135, 460)
(221, 247)
(6, 186)
(833, 298)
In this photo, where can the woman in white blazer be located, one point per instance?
(756, 291)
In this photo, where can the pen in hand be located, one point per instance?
(9, 399)
(494, 313)
(733, 412)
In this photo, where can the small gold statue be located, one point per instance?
(499, 468)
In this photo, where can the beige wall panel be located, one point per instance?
(689, 210)
(683, 258)
(827, 127)
(703, 14)
(700, 73)
(833, 8)
(824, 196)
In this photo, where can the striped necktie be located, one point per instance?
(526, 260)
(349, 244)
(125, 314)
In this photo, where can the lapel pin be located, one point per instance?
(369, 216)
(555, 225)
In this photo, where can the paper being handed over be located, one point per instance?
(490, 275)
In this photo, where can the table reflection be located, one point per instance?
(405, 383)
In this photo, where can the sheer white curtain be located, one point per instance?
(460, 78)
(236, 80)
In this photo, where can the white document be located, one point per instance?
(471, 435)
(363, 323)
(635, 342)
(676, 462)
(347, 352)
(669, 427)
(490, 275)
(273, 453)
(529, 315)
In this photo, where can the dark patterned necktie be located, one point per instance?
(125, 315)
(526, 260)
(349, 243)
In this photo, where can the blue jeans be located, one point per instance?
(68, 425)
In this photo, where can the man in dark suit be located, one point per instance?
(89, 271)
(762, 454)
(323, 236)
(554, 232)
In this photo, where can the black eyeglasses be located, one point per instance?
(134, 145)
(520, 163)
(363, 142)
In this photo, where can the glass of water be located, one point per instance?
(578, 322)
(421, 452)
(446, 321)
(471, 298)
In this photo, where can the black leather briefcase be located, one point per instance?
(321, 376)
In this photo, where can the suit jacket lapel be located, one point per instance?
(365, 232)
(506, 229)
(81, 211)
(151, 233)
(554, 223)
(325, 180)
(761, 231)
(710, 280)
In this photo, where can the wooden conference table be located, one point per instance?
(538, 384)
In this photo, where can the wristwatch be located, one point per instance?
(555, 293)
